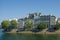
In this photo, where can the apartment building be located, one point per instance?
(58, 20)
(35, 18)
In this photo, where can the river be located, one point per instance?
(5, 36)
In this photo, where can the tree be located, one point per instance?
(37, 14)
(29, 24)
(57, 26)
(14, 24)
(41, 25)
(5, 24)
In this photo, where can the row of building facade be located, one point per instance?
(35, 18)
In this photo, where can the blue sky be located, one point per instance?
(10, 9)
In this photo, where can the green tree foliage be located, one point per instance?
(41, 25)
(29, 24)
(5, 24)
(57, 26)
(14, 24)
(37, 14)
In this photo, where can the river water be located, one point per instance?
(5, 36)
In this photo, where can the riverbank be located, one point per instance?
(30, 32)
(42, 32)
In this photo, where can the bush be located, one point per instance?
(41, 25)
(57, 26)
